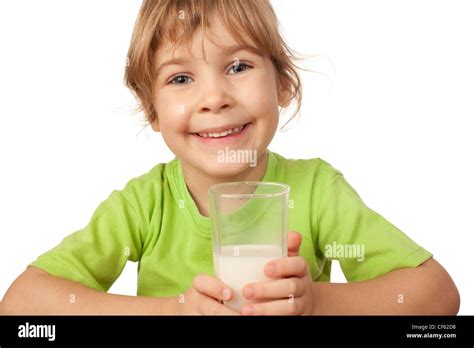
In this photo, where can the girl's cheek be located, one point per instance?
(172, 111)
(261, 95)
(175, 105)
(174, 120)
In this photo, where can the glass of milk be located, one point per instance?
(249, 228)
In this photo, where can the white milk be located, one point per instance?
(238, 265)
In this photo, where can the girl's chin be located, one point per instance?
(226, 170)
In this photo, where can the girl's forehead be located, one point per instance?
(216, 35)
(197, 46)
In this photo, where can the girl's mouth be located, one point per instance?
(227, 135)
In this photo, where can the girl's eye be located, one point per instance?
(181, 79)
(178, 80)
(238, 66)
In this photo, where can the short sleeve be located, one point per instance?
(96, 255)
(364, 242)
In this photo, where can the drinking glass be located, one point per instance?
(249, 228)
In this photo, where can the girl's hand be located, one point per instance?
(291, 290)
(294, 243)
(204, 296)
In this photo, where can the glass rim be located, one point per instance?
(213, 189)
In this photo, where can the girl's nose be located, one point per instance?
(215, 96)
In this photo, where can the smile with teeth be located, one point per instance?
(222, 134)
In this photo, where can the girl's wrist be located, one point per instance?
(316, 308)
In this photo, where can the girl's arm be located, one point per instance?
(36, 292)
(426, 289)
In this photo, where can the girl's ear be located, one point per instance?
(284, 94)
(284, 98)
(155, 125)
(153, 119)
(152, 114)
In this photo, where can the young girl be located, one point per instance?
(213, 76)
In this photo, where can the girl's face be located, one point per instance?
(196, 101)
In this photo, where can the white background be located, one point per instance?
(392, 109)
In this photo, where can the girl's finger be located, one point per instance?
(278, 307)
(209, 306)
(294, 243)
(274, 289)
(286, 267)
(212, 287)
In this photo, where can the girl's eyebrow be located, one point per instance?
(238, 47)
(175, 61)
(226, 51)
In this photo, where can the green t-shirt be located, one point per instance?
(155, 221)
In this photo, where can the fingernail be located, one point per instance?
(248, 310)
(226, 294)
(270, 269)
(248, 292)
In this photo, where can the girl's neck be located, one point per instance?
(199, 182)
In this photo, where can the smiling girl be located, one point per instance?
(213, 76)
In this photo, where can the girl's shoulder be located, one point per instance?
(309, 168)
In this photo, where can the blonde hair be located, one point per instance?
(157, 23)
